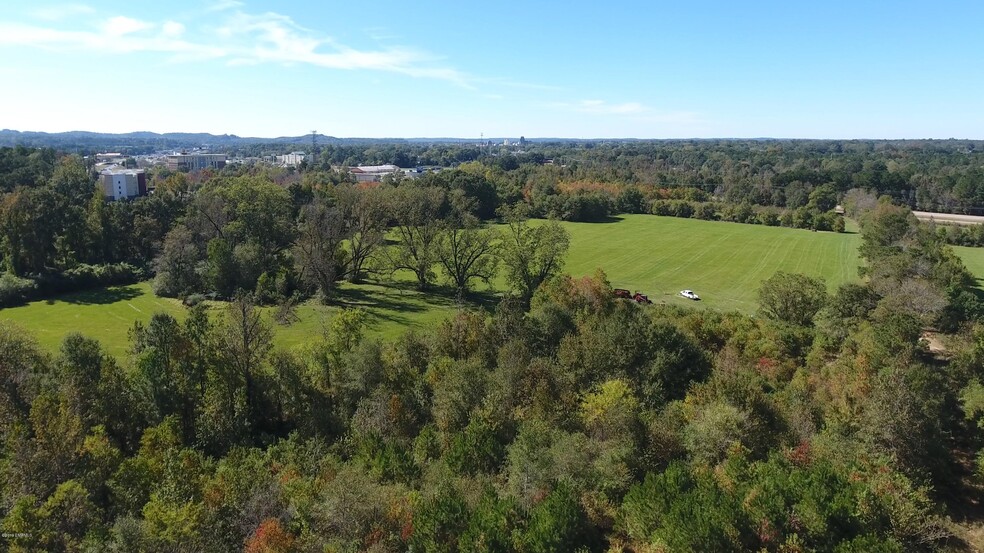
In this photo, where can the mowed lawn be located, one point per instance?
(659, 256)
(109, 314)
(724, 263)
(973, 259)
(106, 314)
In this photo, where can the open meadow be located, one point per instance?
(108, 314)
(722, 262)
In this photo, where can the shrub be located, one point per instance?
(630, 200)
(83, 277)
(684, 209)
(706, 212)
(15, 290)
(661, 207)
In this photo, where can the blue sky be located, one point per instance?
(860, 69)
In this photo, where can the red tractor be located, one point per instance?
(638, 297)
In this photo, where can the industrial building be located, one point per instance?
(195, 162)
(121, 184)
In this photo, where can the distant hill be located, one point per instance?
(141, 142)
(146, 142)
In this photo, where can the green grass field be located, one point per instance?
(973, 258)
(722, 262)
(108, 314)
(659, 256)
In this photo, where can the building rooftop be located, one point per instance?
(375, 169)
(120, 171)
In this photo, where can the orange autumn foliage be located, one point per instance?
(270, 537)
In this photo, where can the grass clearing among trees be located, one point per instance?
(108, 314)
(722, 262)
(659, 256)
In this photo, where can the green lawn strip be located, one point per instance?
(108, 314)
(973, 259)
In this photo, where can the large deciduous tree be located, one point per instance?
(365, 214)
(316, 251)
(466, 252)
(419, 214)
(532, 254)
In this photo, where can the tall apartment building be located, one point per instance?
(119, 184)
(195, 162)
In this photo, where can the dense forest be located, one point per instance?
(561, 419)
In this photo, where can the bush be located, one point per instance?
(590, 207)
(630, 200)
(83, 277)
(684, 209)
(15, 290)
(706, 212)
(661, 207)
(769, 217)
(193, 300)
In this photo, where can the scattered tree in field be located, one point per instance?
(531, 254)
(364, 213)
(466, 252)
(318, 246)
(419, 220)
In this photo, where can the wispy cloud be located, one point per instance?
(509, 83)
(120, 25)
(241, 38)
(62, 11)
(142, 40)
(381, 34)
(222, 5)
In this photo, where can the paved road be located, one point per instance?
(952, 218)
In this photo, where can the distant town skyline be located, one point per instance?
(505, 69)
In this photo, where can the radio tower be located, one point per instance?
(314, 148)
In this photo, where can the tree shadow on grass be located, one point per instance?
(396, 301)
(978, 289)
(98, 296)
(372, 299)
(606, 220)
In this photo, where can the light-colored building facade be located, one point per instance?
(121, 184)
(292, 159)
(373, 173)
(195, 162)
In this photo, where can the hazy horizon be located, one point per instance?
(511, 137)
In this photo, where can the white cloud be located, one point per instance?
(240, 38)
(120, 25)
(172, 29)
(223, 5)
